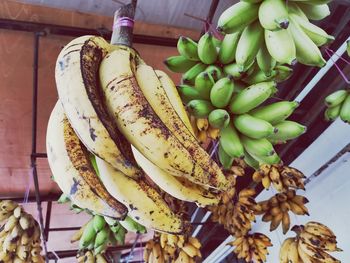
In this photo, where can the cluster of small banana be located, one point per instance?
(116, 121)
(281, 177)
(99, 232)
(204, 131)
(251, 247)
(276, 209)
(88, 256)
(217, 98)
(311, 244)
(338, 105)
(276, 31)
(236, 215)
(172, 248)
(19, 235)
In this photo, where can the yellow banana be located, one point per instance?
(284, 250)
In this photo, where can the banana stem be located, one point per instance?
(123, 25)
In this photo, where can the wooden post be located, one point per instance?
(123, 25)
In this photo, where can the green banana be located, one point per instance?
(179, 64)
(230, 142)
(225, 159)
(315, 33)
(281, 46)
(188, 48)
(249, 44)
(235, 70)
(336, 98)
(237, 17)
(228, 47)
(120, 236)
(188, 93)
(190, 75)
(101, 237)
(273, 15)
(264, 60)
(99, 223)
(258, 76)
(332, 113)
(252, 97)
(315, 12)
(63, 199)
(219, 118)
(248, 159)
(99, 250)
(276, 112)
(111, 221)
(200, 108)
(130, 225)
(215, 72)
(282, 73)
(203, 84)
(253, 127)
(206, 49)
(348, 47)
(306, 51)
(88, 235)
(287, 130)
(257, 147)
(115, 228)
(221, 92)
(273, 159)
(295, 9)
(345, 110)
(217, 43)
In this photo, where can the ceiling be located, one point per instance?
(164, 12)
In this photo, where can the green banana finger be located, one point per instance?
(225, 159)
(230, 142)
(100, 249)
(258, 76)
(336, 98)
(219, 118)
(234, 70)
(252, 97)
(99, 223)
(273, 159)
(315, 12)
(120, 236)
(179, 64)
(206, 49)
(200, 108)
(281, 46)
(282, 73)
(345, 110)
(191, 74)
(110, 221)
(332, 113)
(188, 93)
(273, 15)
(253, 127)
(275, 112)
(88, 235)
(228, 47)
(221, 92)
(264, 60)
(203, 84)
(248, 159)
(287, 130)
(257, 147)
(101, 237)
(188, 48)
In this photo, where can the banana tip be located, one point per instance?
(284, 24)
(275, 130)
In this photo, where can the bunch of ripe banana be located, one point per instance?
(172, 248)
(87, 256)
(204, 131)
(338, 105)
(118, 119)
(277, 208)
(251, 247)
(311, 244)
(236, 215)
(281, 177)
(19, 235)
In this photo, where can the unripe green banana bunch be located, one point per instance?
(275, 30)
(338, 105)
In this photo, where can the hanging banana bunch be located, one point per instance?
(19, 235)
(338, 105)
(276, 209)
(172, 248)
(88, 257)
(251, 247)
(280, 177)
(312, 244)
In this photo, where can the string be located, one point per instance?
(338, 68)
(54, 253)
(340, 57)
(27, 191)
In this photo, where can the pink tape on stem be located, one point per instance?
(124, 21)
